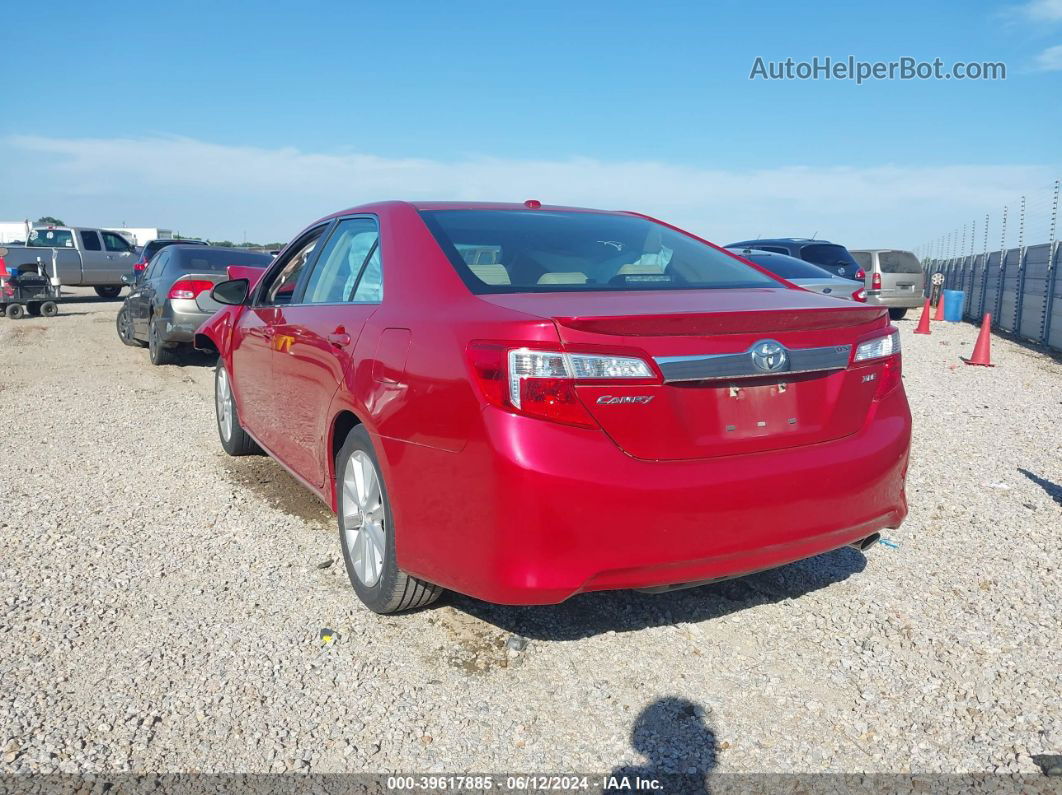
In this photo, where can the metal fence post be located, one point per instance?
(1019, 283)
(998, 303)
(1052, 264)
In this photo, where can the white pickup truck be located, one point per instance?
(77, 256)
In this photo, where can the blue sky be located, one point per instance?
(221, 118)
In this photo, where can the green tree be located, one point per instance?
(50, 220)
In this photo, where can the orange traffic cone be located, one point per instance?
(940, 308)
(923, 322)
(982, 353)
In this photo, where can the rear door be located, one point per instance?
(142, 294)
(118, 259)
(93, 257)
(901, 274)
(320, 329)
(255, 339)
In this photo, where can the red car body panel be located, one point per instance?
(521, 510)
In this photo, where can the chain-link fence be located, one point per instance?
(1020, 284)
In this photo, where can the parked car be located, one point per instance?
(155, 246)
(522, 403)
(804, 274)
(894, 279)
(831, 256)
(169, 300)
(82, 256)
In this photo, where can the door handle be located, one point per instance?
(338, 339)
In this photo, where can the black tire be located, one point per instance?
(239, 441)
(393, 590)
(158, 353)
(110, 293)
(49, 309)
(15, 311)
(897, 314)
(34, 308)
(123, 324)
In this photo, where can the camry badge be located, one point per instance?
(613, 400)
(769, 356)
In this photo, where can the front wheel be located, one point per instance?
(108, 292)
(897, 314)
(234, 439)
(367, 532)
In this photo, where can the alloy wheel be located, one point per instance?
(223, 397)
(363, 518)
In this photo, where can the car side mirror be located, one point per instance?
(233, 292)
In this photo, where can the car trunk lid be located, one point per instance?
(713, 399)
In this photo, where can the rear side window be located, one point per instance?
(91, 241)
(342, 272)
(156, 265)
(899, 262)
(784, 266)
(538, 251)
(864, 258)
(773, 249)
(115, 242)
(51, 238)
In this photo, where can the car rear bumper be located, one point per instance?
(536, 512)
(180, 320)
(895, 300)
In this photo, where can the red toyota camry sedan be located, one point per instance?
(522, 402)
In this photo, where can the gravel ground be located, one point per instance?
(161, 605)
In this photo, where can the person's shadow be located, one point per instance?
(680, 748)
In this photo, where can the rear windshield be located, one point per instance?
(51, 238)
(899, 262)
(510, 251)
(155, 246)
(201, 261)
(782, 265)
(828, 254)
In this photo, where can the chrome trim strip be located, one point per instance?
(706, 367)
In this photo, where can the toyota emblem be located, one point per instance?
(769, 356)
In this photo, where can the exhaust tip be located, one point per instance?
(864, 544)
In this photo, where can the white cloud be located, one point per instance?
(1050, 60)
(201, 188)
(1041, 10)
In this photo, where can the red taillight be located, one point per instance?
(890, 375)
(541, 382)
(140, 266)
(875, 281)
(190, 288)
(860, 295)
(860, 274)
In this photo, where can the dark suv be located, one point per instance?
(832, 256)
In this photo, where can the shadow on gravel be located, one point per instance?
(1054, 491)
(678, 743)
(592, 614)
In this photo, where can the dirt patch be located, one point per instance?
(271, 482)
(478, 647)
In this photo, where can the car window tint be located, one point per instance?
(502, 251)
(50, 238)
(282, 288)
(773, 249)
(899, 262)
(90, 241)
(782, 265)
(156, 265)
(342, 262)
(864, 258)
(370, 286)
(830, 255)
(114, 242)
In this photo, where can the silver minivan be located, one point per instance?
(894, 278)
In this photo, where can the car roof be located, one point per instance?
(177, 241)
(469, 205)
(787, 240)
